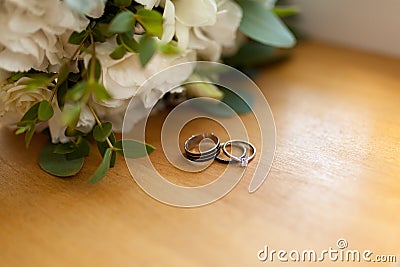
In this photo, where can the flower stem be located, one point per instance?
(99, 123)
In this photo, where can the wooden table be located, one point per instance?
(336, 175)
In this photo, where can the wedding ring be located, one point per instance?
(244, 161)
(195, 143)
(230, 160)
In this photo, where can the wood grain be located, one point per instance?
(336, 175)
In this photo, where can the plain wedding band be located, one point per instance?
(194, 142)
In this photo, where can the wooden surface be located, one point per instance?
(336, 175)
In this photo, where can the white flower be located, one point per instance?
(123, 78)
(57, 127)
(207, 26)
(15, 101)
(33, 34)
(210, 41)
(148, 4)
(195, 13)
(91, 8)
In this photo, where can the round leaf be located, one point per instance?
(100, 133)
(58, 164)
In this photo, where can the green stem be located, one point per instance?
(99, 123)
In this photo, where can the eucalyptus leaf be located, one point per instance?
(70, 114)
(102, 169)
(77, 92)
(285, 11)
(97, 68)
(37, 81)
(102, 147)
(129, 43)
(123, 22)
(123, 3)
(64, 148)
(102, 132)
(133, 149)
(58, 164)
(151, 20)
(45, 111)
(169, 49)
(147, 48)
(261, 24)
(119, 52)
(100, 92)
(77, 37)
(82, 149)
(29, 133)
(61, 91)
(32, 113)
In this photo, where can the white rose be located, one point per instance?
(123, 78)
(15, 101)
(211, 41)
(91, 8)
(33, 34)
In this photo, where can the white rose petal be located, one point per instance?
(196, 12)
(15, 101)
(32, 34)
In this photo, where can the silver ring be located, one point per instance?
(194, 143)
(230, 160)
(244, 161)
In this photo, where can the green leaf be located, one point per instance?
(123, 3)
(129, 43)
(119, 52)
(102, 132)
(169, 49)
(63, 73)
(254, 54)
(77, 37)
(77, 92)
(262, 25)
(97, 69)
(32, 113)
(29, 133)
(285, 11)
(82, 149)
(45, 111)
(240, 100)
(70, 114)
(100, 92)
(147, 48)
(102, 146)
(65, 148)
(58, 164)
(151, 20)
(123, 22)
(133, 149)
(21, 130)
(101, 32)
(103, 168)
(61, 92)
(37, 81)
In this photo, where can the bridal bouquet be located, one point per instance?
(70, 67)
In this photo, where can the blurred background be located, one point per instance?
(368, 25)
